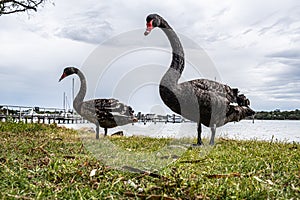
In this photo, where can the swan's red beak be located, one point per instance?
(149, 28)
(62, 77)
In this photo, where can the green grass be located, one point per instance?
(48, 162)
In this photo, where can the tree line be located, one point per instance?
(278, 115)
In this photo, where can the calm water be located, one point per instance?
(283, 130)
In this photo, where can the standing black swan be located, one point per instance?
(107, 113)
(203, 101)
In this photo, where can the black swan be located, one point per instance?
(203, 101)
(106, 113)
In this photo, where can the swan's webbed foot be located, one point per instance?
(198, 144)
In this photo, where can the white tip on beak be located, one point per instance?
(147, 32)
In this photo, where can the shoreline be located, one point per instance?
(262, 130)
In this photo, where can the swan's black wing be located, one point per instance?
(215, 88)
(107, 105)
(218, 103)
(111, 113)
(114, 106)
(237, 104)
(108, 113)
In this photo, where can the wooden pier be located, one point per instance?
(27, 114)
(39, 115)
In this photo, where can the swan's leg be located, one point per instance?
(105, 131)
(213, 133)
(97, 131)
(199, 130)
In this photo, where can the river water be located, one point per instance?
(281, 130)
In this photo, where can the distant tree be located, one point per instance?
(278, 115)
(14, 6)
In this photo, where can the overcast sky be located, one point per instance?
(253, 44)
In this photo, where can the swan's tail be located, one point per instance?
(237, 113)
(242, 100)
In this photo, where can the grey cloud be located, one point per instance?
(282, 83)
(282, 91)
(279, 26)
(285, 86)
(288, 74)
(90, 25)
(289, 54)
(290, 64)
(221, 12)
(247, 31)
(265, 29)
(278, 21)
(218, 37)
(293, 97)
(90, 32)
(264, 18)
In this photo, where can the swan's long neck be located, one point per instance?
(177, 65)
(81, 94)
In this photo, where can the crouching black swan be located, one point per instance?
(203, 101)
(106, 113)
